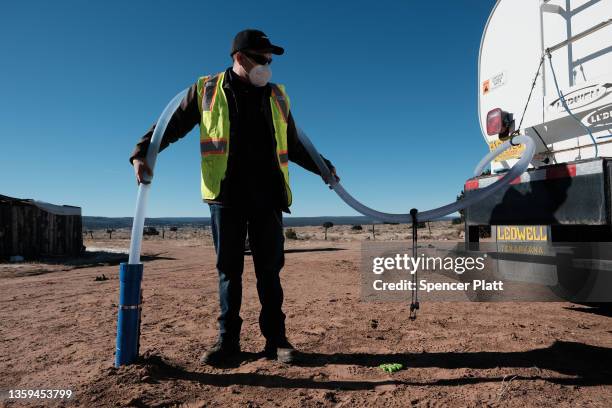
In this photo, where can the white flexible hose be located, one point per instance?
(516, 171)
(143, 189)
(162, 123)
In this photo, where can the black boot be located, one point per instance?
(280, 350)
(222, 352)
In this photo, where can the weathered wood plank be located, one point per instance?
(32, 232)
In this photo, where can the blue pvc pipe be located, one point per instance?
(130, 274)
(128, 321)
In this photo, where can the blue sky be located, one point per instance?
(385, 89)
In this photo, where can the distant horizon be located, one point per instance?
(285, 215)
(93, 222)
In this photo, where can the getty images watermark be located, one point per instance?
(411, 265)
(487, 271)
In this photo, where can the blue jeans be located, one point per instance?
(265, 228)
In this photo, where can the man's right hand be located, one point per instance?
(140, 167)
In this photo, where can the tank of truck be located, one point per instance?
(579, 35)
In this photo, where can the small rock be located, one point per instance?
(318, 376)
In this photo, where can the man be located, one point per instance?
(247, 136)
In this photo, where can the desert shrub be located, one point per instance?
(290, 233)
(357, 228)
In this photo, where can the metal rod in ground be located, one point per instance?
(128, 318)
(414, 304)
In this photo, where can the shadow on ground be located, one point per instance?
(299, 250)
(103, 258)
(604, 309)
(87, 260)
(577, 363)
(163, 371)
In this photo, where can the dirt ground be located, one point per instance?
(58, 325)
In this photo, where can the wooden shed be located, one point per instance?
(35, 229)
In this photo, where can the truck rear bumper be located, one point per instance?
(576, 193)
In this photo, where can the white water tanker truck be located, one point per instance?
(545, 70)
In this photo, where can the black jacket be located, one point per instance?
(253, 176)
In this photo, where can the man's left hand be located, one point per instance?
(333, 172)
(334, 175)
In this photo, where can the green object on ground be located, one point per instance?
(391, 368)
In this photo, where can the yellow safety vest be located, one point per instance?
(215, 133)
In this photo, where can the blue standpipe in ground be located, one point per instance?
(128, 318)
(130, 273)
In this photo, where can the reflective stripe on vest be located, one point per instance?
(215, 133)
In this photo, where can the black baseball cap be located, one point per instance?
(254, 40)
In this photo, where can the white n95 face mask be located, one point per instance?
(260, 75)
